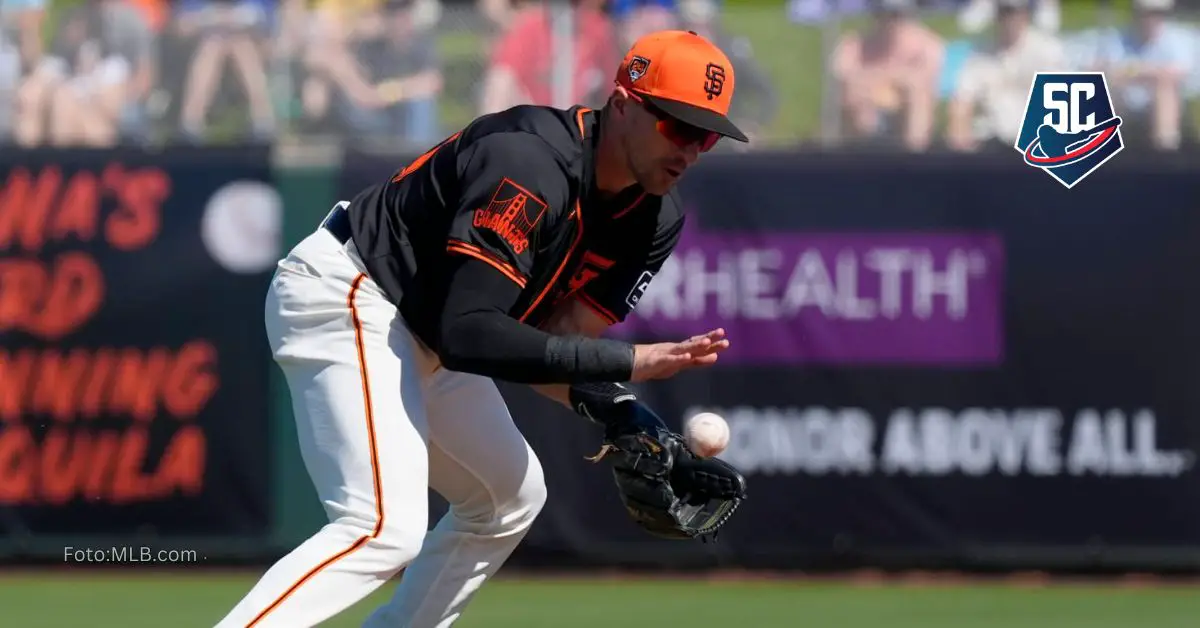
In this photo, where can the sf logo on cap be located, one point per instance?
(714, 82)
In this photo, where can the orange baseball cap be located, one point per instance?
(684, 75)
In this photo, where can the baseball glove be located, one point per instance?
(667, 489)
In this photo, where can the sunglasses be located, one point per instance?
(677, 131)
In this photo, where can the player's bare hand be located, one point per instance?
(663, 360)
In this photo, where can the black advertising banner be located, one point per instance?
(133, 369)
(935, 360)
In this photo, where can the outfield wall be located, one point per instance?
(937, 360)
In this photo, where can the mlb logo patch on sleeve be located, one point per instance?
(1070, 128)
(639, 289)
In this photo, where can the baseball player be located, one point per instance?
(504, 252)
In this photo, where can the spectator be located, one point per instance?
(1146, 66)
(155, 13)
(232, 31)
(977, 15)
(87, 90)
(522, 63)
(888, 77)
(330, 64)
(22, 22)
(756, 103)
(815, 12)
(636, 18)
(622, 12)
(134, 27)
(20, 50)
(292, 26)
(10, 80)
(149, 96)
(499, 12)
(399, 63)
(996, 79)
(623, 9)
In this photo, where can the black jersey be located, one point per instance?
(516, 190)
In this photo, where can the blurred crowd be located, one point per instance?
(406, 72)
(893, 76)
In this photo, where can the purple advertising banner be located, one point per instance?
(930, 298)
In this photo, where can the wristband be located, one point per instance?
(590, 360)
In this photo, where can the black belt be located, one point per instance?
(338, 223)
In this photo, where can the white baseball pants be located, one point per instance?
(379, 423)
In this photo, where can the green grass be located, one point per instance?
(181, 601)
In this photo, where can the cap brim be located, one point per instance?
(699, 117)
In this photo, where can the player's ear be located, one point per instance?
(619, 99)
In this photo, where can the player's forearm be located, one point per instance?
(571, 319)
(478, 337)
(494, 345)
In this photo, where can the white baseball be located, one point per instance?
(707, 434)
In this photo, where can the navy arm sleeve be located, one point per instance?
(615, 293)
(512, 188)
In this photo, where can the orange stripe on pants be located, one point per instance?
(375, 479)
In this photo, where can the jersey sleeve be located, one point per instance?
(615, 293)
(512, 186)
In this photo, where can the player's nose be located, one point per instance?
(691, 153)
